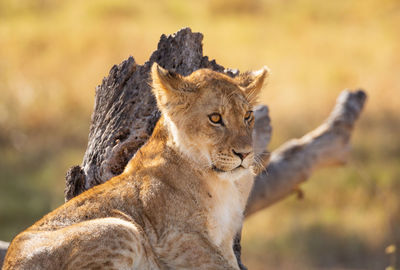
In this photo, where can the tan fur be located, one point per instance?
(180, 200)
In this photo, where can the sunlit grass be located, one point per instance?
(54, 53)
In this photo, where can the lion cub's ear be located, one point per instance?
(165, 79)
(168, 86)
(252, 83)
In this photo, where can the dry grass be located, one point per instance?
(55, 52)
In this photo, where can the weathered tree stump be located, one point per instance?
(125, 114)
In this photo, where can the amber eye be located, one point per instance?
(215, 118)
(248, 116)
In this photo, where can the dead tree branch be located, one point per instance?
(293, 162)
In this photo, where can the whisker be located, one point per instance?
(260, 162)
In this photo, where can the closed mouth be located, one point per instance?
(214, 168)
(239, 167)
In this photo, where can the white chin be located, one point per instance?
(234, 174)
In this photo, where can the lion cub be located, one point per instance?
(180, 200)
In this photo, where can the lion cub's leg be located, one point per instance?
(227, 250)
(107, 243)
(110, 243)
(187, 251)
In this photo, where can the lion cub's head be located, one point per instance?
(210, 116)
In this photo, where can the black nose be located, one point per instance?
(241, 155)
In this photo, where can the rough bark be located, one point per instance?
(125, 113)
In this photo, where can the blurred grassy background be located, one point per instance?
(54, 53)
